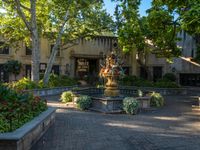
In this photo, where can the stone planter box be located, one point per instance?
(25, 137)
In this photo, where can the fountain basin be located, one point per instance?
(111, 104)
(107, 104)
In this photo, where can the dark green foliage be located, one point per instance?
(156, 100)
(25, 84)
(165, 84)
(130, 105)
(13, 66)
(84, 102)
(55, 81)
(58, 81)
(135, 81)
(169, 77)
(139, 82)
(128, 80)
(18, 108)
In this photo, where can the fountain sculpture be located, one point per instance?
(111, 70)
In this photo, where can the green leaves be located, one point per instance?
(13, 66)
(86, 18)
(128, 26)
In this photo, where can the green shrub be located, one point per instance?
(58, 81)
(169, 77)
(156, 100)
(143, 83)
(165, 84)
(128, 80)
(25, 84)
(66, 97)
(18, 108)
(130, 105)
(135, 81)
(84, 102)
(54, 81)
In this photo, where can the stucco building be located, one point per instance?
(80, 60)
(186, 70)
(84, 59)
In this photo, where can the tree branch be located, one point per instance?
(22, 15)
(24, 7)
(69, 46)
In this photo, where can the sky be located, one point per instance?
(145, 4)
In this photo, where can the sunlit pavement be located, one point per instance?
(175, 127)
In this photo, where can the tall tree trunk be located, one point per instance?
(35, 44)
(54, 51)
(32, 27)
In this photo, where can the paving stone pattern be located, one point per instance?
(173, 127)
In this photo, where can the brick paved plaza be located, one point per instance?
(173, 127)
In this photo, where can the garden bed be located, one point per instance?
(24, 137)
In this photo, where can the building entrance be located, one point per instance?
(87, 68)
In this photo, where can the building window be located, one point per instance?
(4, 49)
(58, 53)
(4, 76)
(56, 69)
(43, 67)
(143, 73)
(157, 73)
(28, 50)
(28, 71)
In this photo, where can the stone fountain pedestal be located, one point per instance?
(111, 88)
(107, 104)
(110, 102)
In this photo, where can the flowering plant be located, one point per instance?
(18, 108)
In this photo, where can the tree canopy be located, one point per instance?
(61, 21)
(164, 20)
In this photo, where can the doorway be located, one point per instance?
(157, 73)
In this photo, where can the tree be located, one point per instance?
(19, 22)
(162, 31)
(159, 27)
(130, 30)
(80, 21)
(61, 21)
(188, 16)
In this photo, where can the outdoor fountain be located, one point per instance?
(110, 98)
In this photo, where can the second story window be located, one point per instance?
(4, 49)
(58, 53)
(28, 50)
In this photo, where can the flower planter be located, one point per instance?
(26, 136)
